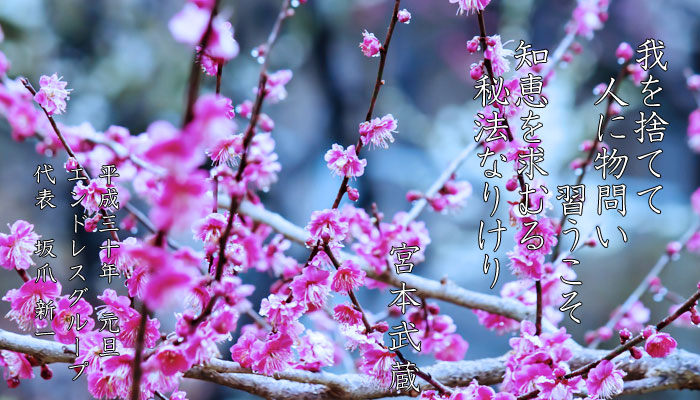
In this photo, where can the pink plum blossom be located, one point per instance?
(376, 362)
(23, 119)
(16, 249)
(605, 381)
(311, 288)
(370, 44)
(65, 316)
(451, 197)
(181, 202)
(262, 167)
(279, 312)
(91, 195)
(129, 319)
(346, 314)
(16, 367)
(189, 24)
(113, 379)
(316, 350)
(348, 277)
(345, 162)
(272, 355)
(23, 301)
(240, 352)
(53, 94)
(275, 90)
(588, 16)
(221, 45)
(378, 131)
(170, 360)
(634, 318)
(498, 55)
(326, 225)
(660, 345)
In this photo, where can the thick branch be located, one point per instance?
(680, 370)
(447, 291)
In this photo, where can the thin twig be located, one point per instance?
(193, 82)
(368, 329)
(690, 302)
(66, 146)
(247, 139)
(137, 371)
(219, 72)
(559, 52)
(662, 262)
(353, 298)
(420, 204)
(378, 83)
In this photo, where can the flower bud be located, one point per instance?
(404, 16)
(586, 145)
(636, 353)
(624, 52)
(512, 184)
(413, 195)
(353, 194)
(599, 89)
(576, 47)
(71, 164)
(577, 163)
(266, 123)
(476, 71)
(46, 372)
(381, 327)
(693, 82)
(625, 335)
(614, 109)
(473, 45)
(694, 316)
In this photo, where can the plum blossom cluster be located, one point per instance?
(161, 167)
(450, 197)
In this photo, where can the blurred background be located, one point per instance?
(125, 69)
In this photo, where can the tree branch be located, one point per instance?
(446, 290)
(663, 261)
(680, 370)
